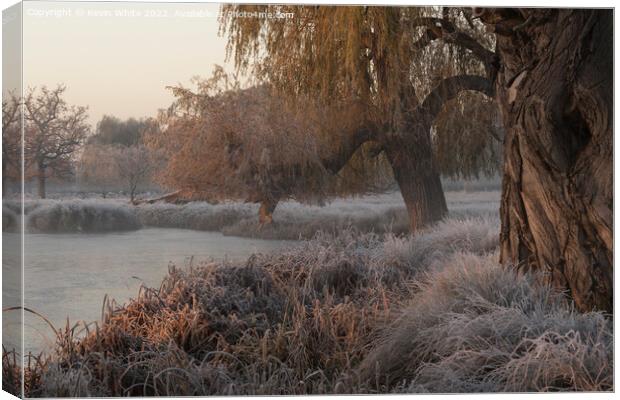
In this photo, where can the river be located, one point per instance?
(68, 275)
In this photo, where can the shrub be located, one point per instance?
(81, 216)
(476, 326)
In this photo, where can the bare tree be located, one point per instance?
(111, 167)
(97, 168)
(11, 139)
(134, 165)
(53, 131)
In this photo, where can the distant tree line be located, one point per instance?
(58, 143)
(52, 132)
(115, 157)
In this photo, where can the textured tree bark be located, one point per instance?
(554, 88)
(418, 179)
(411, 153)
(41, 180)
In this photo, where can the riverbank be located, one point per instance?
(384, 213)
(81, 269)
(351, 313)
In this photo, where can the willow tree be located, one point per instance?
(551, 74)
(387, 58)
(468, 136)
(554, 87)
(222, 141)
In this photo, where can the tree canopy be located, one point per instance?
(390, 60)
(374, 54)
(223, 141)
(112, 130)
(115, 157)
(53, 132)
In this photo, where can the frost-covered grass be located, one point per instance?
(81, 216)
(10, 219)
(11, 212)
(347, 313)
(474, 326)
(292, 220)
(197, 215)
(70, 215)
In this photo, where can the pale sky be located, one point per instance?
(117, 58)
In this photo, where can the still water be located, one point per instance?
(68, 275)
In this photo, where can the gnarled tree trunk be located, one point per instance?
(411, 154)
(554, 88)
(411, 157)
(418, 179)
